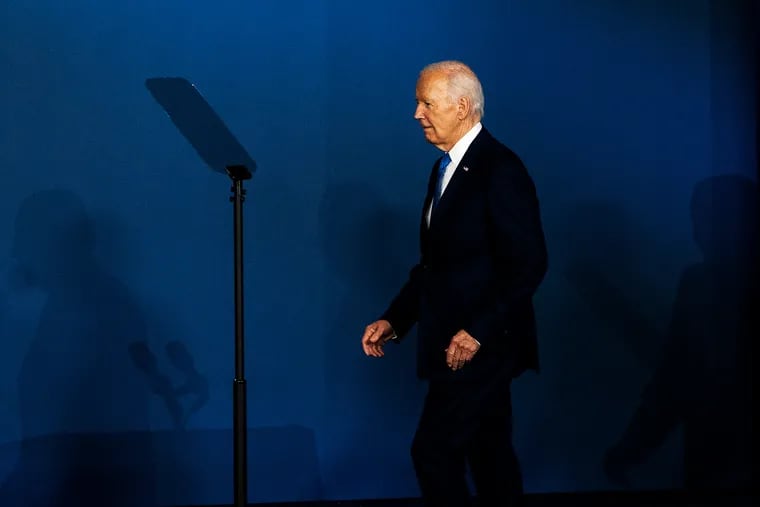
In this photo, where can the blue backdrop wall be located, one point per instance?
(115, 239)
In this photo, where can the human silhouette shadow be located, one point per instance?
(367, 249)
(703, 380)
(362, 247)
(82, 404)
(602, 256)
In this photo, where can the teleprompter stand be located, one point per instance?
(238, 173)
(219, 149)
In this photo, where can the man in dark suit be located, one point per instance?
(483, 256)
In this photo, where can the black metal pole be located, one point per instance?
(239, 411)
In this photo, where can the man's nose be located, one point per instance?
(418, 113)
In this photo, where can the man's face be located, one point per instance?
(437, 115)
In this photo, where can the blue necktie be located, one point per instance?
(445, 161)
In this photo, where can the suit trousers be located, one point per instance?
(467, 424)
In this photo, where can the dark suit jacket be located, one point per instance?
(482, 259)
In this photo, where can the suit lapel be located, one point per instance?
(428, 199)
(449, 195)
(463, 172)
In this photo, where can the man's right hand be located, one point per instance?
(375, 337)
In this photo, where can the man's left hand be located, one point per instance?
(461, 350)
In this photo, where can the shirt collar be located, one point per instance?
(460, 148)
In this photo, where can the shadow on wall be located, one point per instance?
(602, 249)
(86, 384)
(194, 385)
(82, 404)
(704, 378)
(195, 466)
(368, 248)
(598, 315)
(364, 250)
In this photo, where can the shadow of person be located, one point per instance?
(367, 253)
(365, 264)
(602, 249)
(703, 381)
(82, 404)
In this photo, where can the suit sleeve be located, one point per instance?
(403, 311)
(518, 248)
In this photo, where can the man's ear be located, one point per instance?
(464, 106)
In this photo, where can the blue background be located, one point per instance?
(115, 239)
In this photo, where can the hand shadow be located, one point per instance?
(194, 384)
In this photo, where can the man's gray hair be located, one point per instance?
(462, 82)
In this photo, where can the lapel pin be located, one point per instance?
(465, 168)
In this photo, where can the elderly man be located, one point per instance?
(483, 256)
